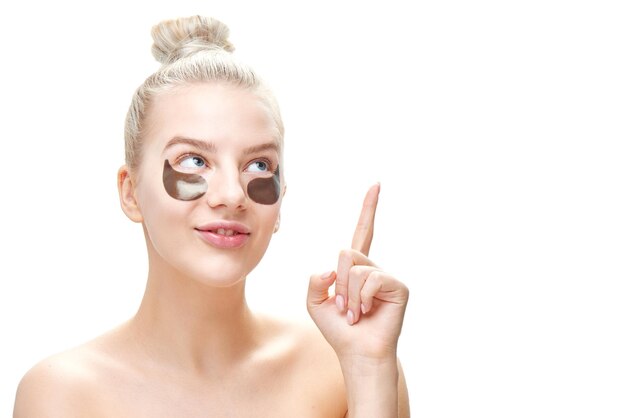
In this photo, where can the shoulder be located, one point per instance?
(299, 339)
(66, 384)
(316, 367)
(57, 386)
(308, 364)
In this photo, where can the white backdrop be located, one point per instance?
(497, 131)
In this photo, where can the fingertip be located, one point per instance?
(341, 302)
(350, 318)
(327, 275)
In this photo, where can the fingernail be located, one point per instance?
(341, 303)
(327, 275)
(363, 308)
(350, 318)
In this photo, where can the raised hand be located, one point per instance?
(364, 317)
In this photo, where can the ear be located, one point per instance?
(126, 190)
(277, 225)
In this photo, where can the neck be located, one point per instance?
(190, 325)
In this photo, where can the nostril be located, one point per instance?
(225, 192)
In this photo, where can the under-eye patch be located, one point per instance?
(183, 186)
(187, 186)
(265, 190)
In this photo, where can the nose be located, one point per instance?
(225, 189)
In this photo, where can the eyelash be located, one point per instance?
(270, 164)
(267, 161)
(191, 154)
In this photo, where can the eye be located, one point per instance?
(259, 166)
(192, 161)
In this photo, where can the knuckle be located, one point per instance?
(346, 254)
(376, 278)
(360, 273)
(374, 275)
(356, 271)
(313, 281)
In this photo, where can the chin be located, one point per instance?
(221, 281)
(219, 273)
(205, 265)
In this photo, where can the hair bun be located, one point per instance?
(179, 38)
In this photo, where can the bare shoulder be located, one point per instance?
(302, 339)
(55, 387)
(309, 364)
(317, 366)
(62, 385)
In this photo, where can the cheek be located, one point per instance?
(268, 215)
(159, 210)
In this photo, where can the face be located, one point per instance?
(208, 149)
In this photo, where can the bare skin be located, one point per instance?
(194, 348)
(291, 371)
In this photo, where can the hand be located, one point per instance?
(364, 317)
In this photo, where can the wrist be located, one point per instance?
(382, 356)
(371, 386)
(365, 366)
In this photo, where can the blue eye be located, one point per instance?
(192, 161)
(259, 166)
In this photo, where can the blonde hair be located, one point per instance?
(192, 49)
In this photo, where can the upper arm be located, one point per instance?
(48, 390)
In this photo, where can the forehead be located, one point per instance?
(220, 113)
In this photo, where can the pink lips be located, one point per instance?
(224, 234)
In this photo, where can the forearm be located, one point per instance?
(372, 387)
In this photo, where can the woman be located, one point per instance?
(203, 176)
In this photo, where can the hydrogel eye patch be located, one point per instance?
(183, 186)
(187, 186)
(265, 190)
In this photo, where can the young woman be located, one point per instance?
(203, 176)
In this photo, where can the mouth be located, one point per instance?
(224, 234)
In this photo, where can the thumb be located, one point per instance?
(318, 289)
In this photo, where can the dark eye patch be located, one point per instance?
(183, 186)
(187, 186)
(265, 190)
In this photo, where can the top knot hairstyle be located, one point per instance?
(190, 50)
(175, 39)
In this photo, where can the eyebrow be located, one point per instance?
(263, 147)
(201, 145)
(210, 147)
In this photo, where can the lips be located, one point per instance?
(224, 234)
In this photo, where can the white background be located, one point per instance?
(497, 130)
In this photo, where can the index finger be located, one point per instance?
(364, 232)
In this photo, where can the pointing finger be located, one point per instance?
(364, 232)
